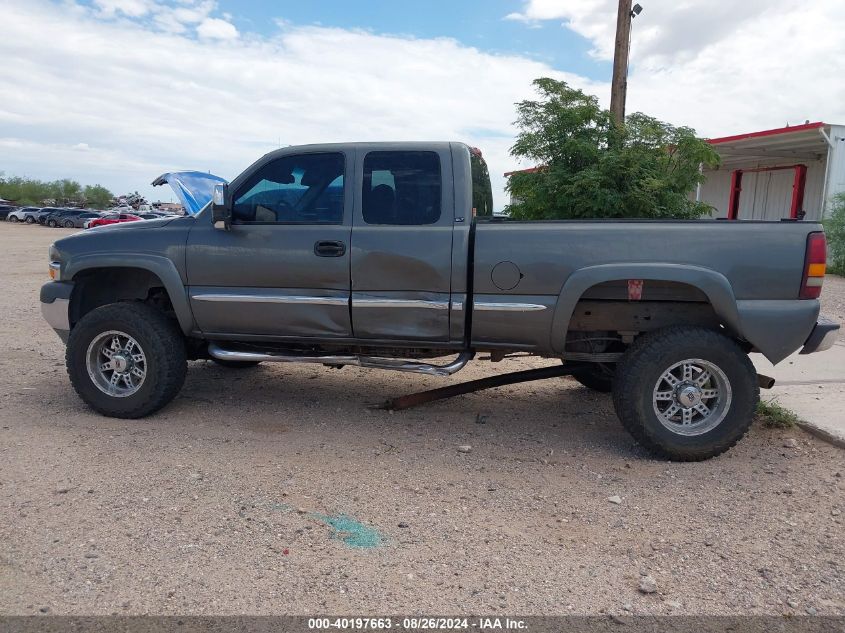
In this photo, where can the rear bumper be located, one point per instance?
(55, 306)
(822, 337)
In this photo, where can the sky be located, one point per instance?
(116, 92)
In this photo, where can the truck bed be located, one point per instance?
(750, 272)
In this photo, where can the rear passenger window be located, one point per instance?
(401, 188)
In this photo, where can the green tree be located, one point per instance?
(834, 228)
(97, 196)
(29, 191)
(591, 168)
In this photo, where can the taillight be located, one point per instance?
(814, 265)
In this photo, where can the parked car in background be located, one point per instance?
(60, 216)
(72, 219)
(51, 218)
(151, 216)
(5, 209)
(40, 216)
(80, 221)
(112, 218)
(24, 214)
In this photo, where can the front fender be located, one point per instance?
(160, 266)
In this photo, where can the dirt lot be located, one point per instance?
(275, 490)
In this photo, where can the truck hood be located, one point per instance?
(134, 226)
(193, 188)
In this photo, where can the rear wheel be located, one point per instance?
(68, 224)
(598, 376)
(30, 219)
(126, 360)
(13, 219)
(686, 393)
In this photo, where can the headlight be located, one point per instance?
(55, 271)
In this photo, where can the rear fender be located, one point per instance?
(713, 284)
(776, 328)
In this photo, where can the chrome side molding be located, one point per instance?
(395, 364)
(270, 298)
(506, 307)
(358, 302)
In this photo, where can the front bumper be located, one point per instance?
(55, 306)
(822, 337)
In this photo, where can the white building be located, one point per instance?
(776, 174)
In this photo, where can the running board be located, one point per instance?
(396, 364)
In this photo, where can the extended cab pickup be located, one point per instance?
(387, 255)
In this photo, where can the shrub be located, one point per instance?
(589, 167)
(834, 227)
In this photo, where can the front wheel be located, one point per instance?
(126, 360)
(686, 393)
(13, 219)
(30, 219)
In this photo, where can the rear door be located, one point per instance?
(401, 262)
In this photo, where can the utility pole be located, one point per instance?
(619, 86)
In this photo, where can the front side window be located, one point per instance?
(305, 189)
(401, 188)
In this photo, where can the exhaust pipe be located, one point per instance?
(765, 382)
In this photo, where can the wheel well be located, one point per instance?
(95, 287)
(605, 314)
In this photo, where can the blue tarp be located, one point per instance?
(193, 188)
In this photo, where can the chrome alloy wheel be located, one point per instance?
(692, 397)
(116, 364)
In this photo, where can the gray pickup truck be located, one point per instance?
(387, 255)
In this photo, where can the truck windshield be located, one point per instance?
(482, 191)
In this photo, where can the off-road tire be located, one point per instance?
(161, 341)
(236, 364)
(598, 377)
(652, 354)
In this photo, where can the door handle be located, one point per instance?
(329, 248)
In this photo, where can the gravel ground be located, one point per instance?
(224, 502)
(833, 298)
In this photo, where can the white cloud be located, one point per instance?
(665, 28)
(164, 16)
(149, 102)
(217, 29)
(130, 8)
(721, 67)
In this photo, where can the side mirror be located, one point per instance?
(221, 207)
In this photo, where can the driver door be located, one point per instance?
(282, 270)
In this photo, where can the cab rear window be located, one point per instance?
(482, 191)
